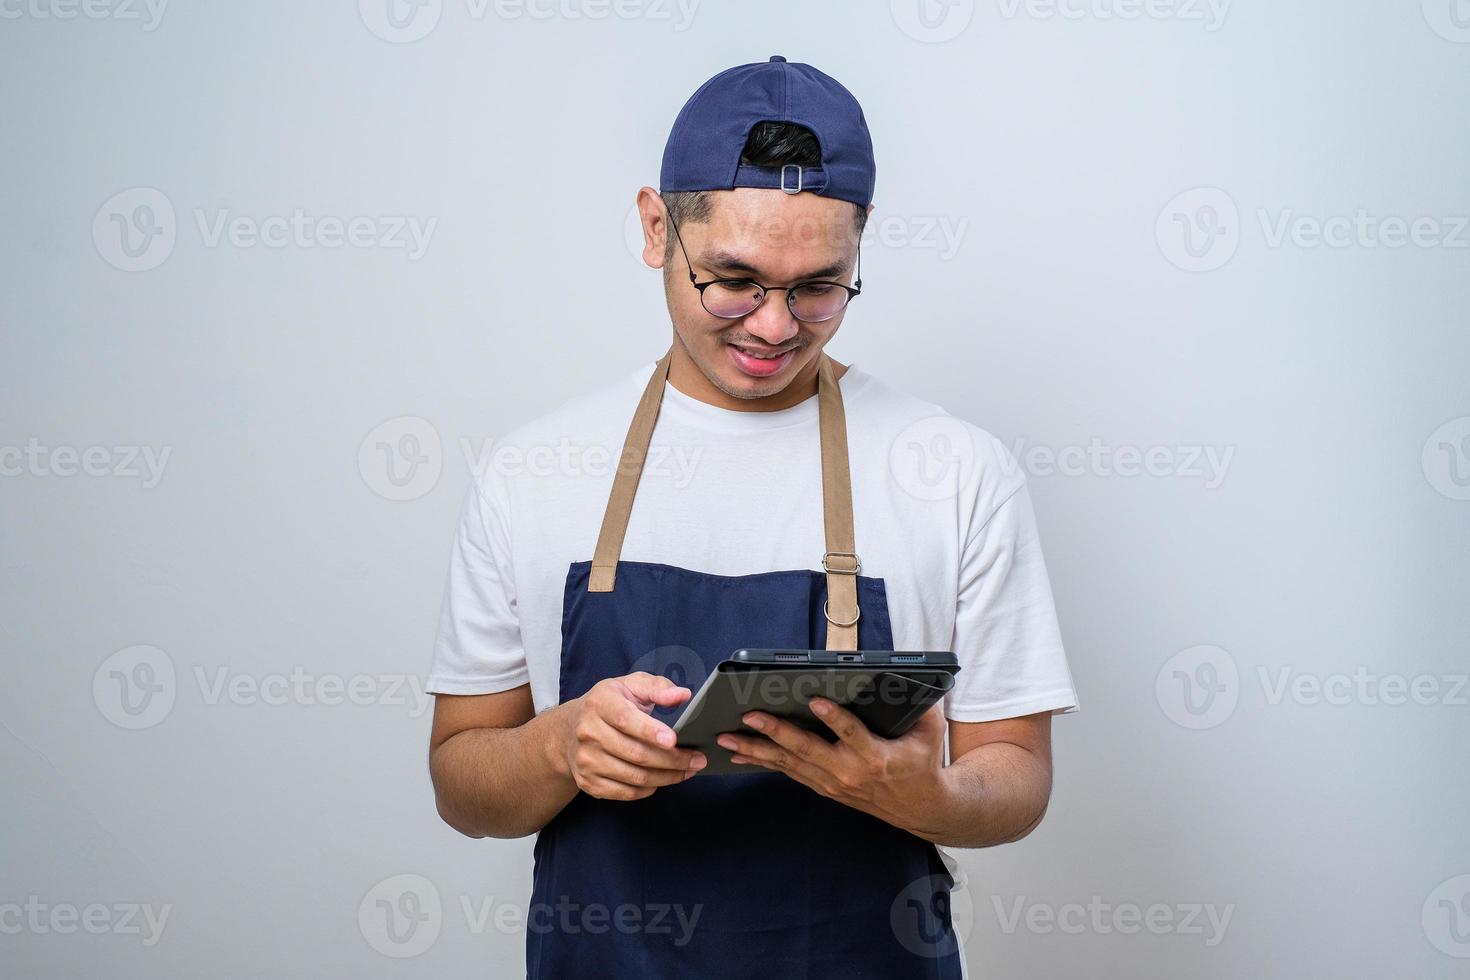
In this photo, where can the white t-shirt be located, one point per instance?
(940, 510)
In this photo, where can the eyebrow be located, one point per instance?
(731, 262)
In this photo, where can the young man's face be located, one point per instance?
(775, 239)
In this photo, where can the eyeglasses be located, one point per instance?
(812, 301)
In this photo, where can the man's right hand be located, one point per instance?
(614, 749)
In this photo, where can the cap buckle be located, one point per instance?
(784, 186)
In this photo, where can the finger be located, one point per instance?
(845, 725)
(653, 689)
(763, 751)
(640, 753)
(798, 741)
(609, 789)
(629, 718)
(612, 768)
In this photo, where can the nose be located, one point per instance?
(772, 321)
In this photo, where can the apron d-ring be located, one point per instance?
(856, 615)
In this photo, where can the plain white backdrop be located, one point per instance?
(273, 272)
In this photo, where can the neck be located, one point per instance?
(686, 376)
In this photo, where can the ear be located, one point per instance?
(655, 221)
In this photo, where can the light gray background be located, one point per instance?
(1069, 315)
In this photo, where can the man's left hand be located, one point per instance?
(892, 779)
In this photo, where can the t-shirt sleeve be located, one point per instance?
(478, 648)
(1006, 635)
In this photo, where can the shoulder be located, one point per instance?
(930, 451)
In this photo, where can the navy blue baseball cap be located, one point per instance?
(703, 152)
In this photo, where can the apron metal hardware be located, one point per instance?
(830, 568)
(856, 614)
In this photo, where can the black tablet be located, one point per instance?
(888, 691)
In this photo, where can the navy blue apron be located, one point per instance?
(739, 876)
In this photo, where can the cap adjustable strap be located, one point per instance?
(791, 178)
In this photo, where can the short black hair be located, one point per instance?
(770, 144)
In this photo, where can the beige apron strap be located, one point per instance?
(625, 481)
(841, 561)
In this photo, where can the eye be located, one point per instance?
(817, 289)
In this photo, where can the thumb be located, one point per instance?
(654, 689)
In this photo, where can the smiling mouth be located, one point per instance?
(762, 353)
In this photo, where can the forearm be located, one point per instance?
(503, 782)
(996, 793)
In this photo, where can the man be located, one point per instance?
(752, 460)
